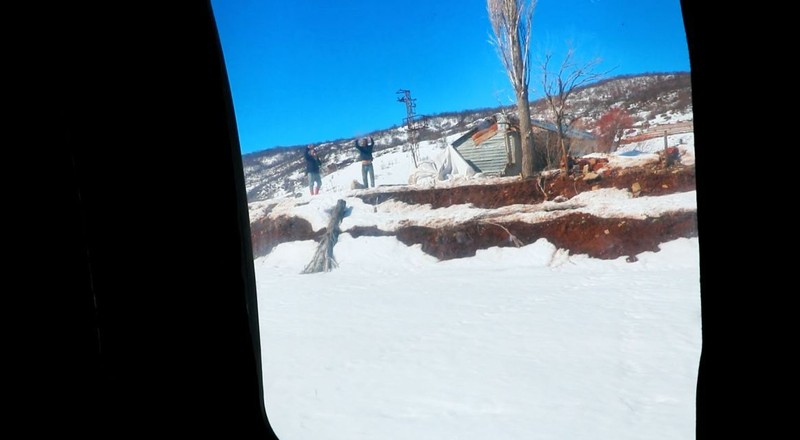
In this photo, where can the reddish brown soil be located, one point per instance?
(605, 238)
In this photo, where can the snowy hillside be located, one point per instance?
(393, 166)
(653, 101)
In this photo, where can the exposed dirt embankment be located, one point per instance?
(579, 233)
(651, 181)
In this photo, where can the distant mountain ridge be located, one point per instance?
(653, 99)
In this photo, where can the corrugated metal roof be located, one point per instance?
(488, 157)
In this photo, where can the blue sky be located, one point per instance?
(310, 71)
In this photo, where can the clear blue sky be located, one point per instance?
(309, 71)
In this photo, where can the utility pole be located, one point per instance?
(412, 122)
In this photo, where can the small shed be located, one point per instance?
(493, 146)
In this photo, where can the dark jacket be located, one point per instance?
(365, 152)
(312, 162)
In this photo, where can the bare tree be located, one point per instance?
(558, 88)
(511, 23)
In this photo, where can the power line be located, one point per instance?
(413, 124)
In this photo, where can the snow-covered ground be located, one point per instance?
(513, 343)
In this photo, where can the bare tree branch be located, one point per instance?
(511, 237)
(558, 88)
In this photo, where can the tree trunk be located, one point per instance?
(526, 139)
(323, 260)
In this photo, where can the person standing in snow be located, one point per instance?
(365, 156)
(313, 164)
